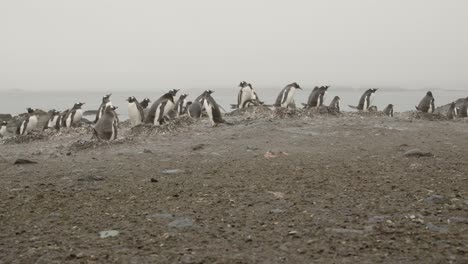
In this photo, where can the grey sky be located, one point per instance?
(119, 45)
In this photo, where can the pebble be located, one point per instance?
(439, 229)
(181, 223)
(437, 199)
(417, 153)
(171, 171)
(108, 233)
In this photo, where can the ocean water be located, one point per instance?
(16, 102)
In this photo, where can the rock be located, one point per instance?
(181, 223)
(276, 211)
(24, 161)
(439, 229)
(458, 220)
(188, 259)
(437, 199)
(171, 171)
(147, 151)
(417, 153)
(198, 147)
(376, 219)
(153, 180)
(90, 178)
(250, 148)
(346, 231)
(160, 216)
(108, 233)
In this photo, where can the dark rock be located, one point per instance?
(153, 180)
(437, 199)
(147, 151)
(198, 147)
(24, 161)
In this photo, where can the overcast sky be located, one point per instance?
(141, 45)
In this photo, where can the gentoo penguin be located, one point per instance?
(194, 110)
(464, 109)
(452, 111)
(28, 123)
(316, 97)
(181, 105)
(388, 110)
(73, 117)
(106, 127)
(54, 120)
(105, 102)
(160, 109)
(335, 103)
(135, 111)
(144, 104)
(286, 96)
(366, 100)
(63, 116)
(427, 104)
(3, 128)
(212, 108)
(247, 95)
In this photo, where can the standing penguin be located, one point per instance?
(160, 109)
(316, 97)
(212, 109)
(106, 127)
(3, 128)
(54, 120)
(105, 102)
(194, 110)
(181, 106)
(464, 109)
(286, 96)
(365, 100)
(135, 111)
(144, 104)
(28, 123)
(388, 110)
(247, 95)
(73, 117)
(427, 104)
(335, 103)
(452, 111)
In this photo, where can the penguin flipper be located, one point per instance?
(417, 108)
(353, 107)
(234, 106)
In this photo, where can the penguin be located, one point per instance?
(106, 127)
(28, 123)
(316, 97)
(3, 128)
(246, 95)
(335, 103)
(160, 108)
(200, 97)
(54, 120)
(73, 117)
(194, 110)
(427, 104)
(286, 96)
(464, 109)
(388, 110)
(181, 106)
(452, 111)
(105, 102)
(144, 104)
(366, 100)
(62, 117)
(212, 109)
(135, 111)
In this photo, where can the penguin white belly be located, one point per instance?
(455, 112)
(77, 117)
(245, 96)
(430, 108)
(168, 107)
(134, 114)
(366, 105)
(209, 112)
(2, 131)
(68, 122)
(289, 98)
(31, 124)
(51, 123)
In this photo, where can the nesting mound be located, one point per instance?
(321, 110)
(174, 126)
(40, 136)
(83, 144)
(427, 116)
(366, 114)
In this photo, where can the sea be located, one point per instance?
(16, 101)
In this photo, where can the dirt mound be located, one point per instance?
(174, 126)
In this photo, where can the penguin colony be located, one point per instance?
(169, 106)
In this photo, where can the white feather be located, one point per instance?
(134, 114)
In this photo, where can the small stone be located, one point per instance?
(436, 199)
(276, 211)
(188, 259)
(24, 161)
(171, 171)
(417, 153)
(248, 239)
(181, 223)
(198, 147)
(439, 229)
(108, 233)
(147, 151)
(153, 180)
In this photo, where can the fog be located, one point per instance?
(143, 45)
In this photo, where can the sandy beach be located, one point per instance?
(272, 188)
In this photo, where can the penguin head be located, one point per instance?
(242, 84)
(106, 98)
(390, 105)
(3, 123)
(374, 90)
(30, 110)
(110, 108)
(429, 94)
(453, 104)
(131, 99)
(295, 85)
(189, 103)
(183, 96)
(78, 105)
(147, 100)
(208, 92)
(55, 112)
(173, 91)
